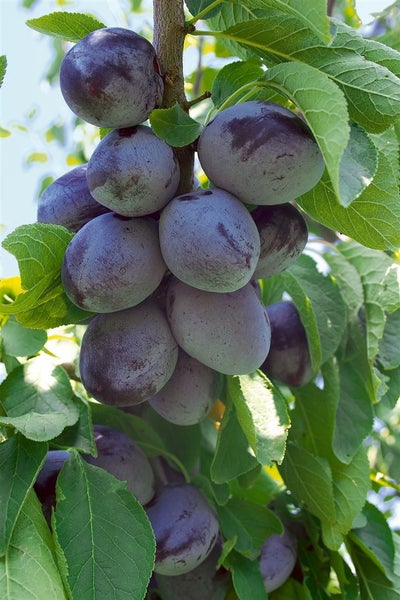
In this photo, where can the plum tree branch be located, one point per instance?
(170, 30)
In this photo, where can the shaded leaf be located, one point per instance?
(231, 457)
(321, 307)
(376, 539)
(20, 462)
(246, 577)
(20, 341)
(249, 522)
(29, 568)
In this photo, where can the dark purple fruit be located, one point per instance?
(228, 332)
(127, 356)
(277, 559)
(209, 240)
(203, 582)
(45, 484)
(111, 78)
(261, 152)
(133, 172)
(185, 527)
(67, 201)
(283, 235)
(112, 263)
(288, 359)
(188, 396)
(122, 457)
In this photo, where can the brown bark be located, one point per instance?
(169, 36)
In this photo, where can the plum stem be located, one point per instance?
(170, 30)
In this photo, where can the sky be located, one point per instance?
(27, 102)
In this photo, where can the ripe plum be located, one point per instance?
(228, 332)
(189, 395)
(122, 457)
(289, 358)
(111, 78)
(113, 263)
(283, 235)
(261, 152)
(133, 172)
(209, 240)
(277, 559)
(67, 201)
(127, 356)
(185, 527)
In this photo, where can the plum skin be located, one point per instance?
(127, 356)
(289, 358)
(260, 152)
(228, 332)
(133, 172)
(283, 236)
(111, 78)
(188, 396)
(45, 484)
(122, 457)
(185, 527)
(203, 582)
(277, 559)
(209, 240)
(67, 201)
(112, 263)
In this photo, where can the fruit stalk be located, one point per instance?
(169, 35)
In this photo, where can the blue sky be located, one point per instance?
(23, 94)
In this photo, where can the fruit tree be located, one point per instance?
(201, 348)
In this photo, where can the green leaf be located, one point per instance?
(373, 583)
(309, 478)
(323, 106)
(20, 462)
(3, 68)
(321, 307)
(314, 413)
(80, 435)
(372, 50)
(372, 90)
(65, 25)
(249, 522)
(354, 419)
(380, 278)
(38, 399)
(232, 77)
(232, 457)
(262, 413)
(181, 441)
(174, 126)
(39, 249)
(29, 568)
(246, 577)
(351, 485)
(199, 6)
(349, 282)
(376, 539)
(104, 532)
(389, 345)
(20, 341)
(371, 219)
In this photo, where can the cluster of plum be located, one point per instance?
(173, 278)
(188, 544)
